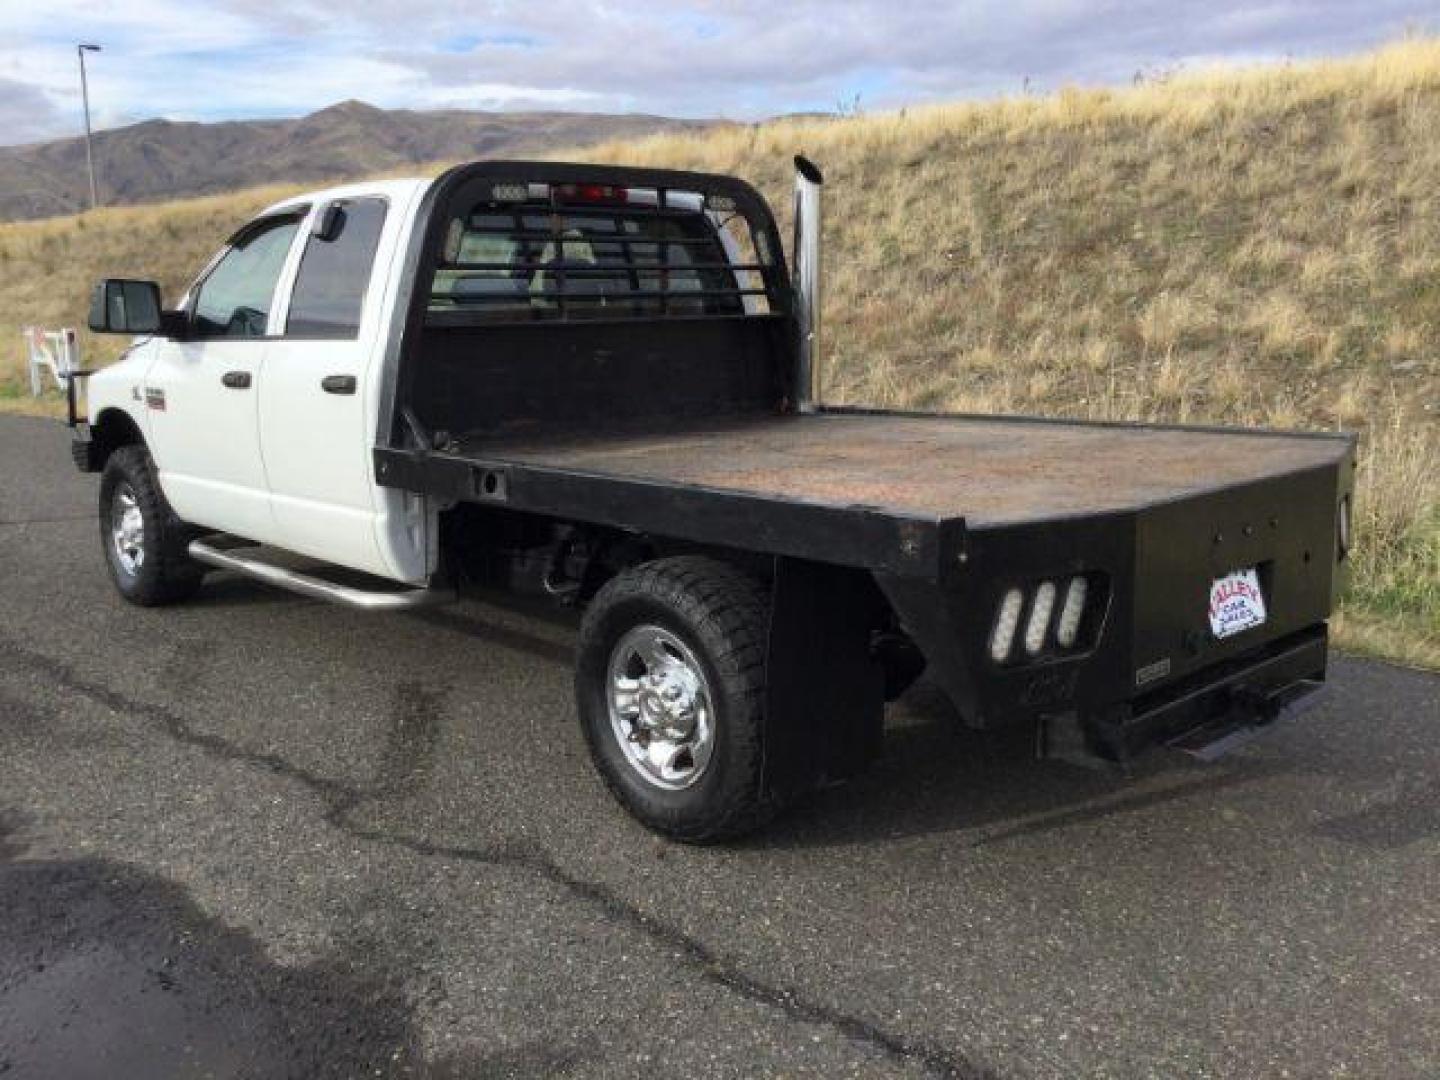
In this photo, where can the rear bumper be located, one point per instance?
(1154, 663)
(1220, 706)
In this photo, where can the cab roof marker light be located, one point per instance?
(684, 200)
(1002, 637)
(511, 192)
(1040, 610)
(1068, 630)
(607, 194)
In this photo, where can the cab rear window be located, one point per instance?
(552, 262)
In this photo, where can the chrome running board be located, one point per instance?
(307, 585)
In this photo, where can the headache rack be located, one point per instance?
(559, 252)
(569, 296)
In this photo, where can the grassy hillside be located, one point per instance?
(1260, 247)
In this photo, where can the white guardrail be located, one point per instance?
(55, 351)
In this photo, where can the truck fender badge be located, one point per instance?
(1150, 672)
(155, 399)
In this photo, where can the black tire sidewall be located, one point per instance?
(162, 577)
(120, 472)
(687, 812)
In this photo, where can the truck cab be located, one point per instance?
(601, 384)
(260, 402)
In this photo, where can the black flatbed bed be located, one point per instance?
(857, 487)
(988, 470)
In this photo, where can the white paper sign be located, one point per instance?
(1236, 603)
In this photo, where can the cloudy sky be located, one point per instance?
(223, 59)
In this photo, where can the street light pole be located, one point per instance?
(81, 50)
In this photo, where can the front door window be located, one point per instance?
(234, 300)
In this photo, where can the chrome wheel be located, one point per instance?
(660, 707)
(127, 530)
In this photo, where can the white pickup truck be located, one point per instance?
(600, 384)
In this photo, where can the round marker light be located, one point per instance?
(1002, 637)
(1071, 612)
(1039, 617)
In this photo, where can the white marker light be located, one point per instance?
(1002, 637)
(1039, 617)
(1071, 612)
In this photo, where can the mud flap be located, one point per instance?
(825, 687)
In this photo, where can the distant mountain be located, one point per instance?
(163, 159)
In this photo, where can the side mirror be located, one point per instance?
(121, 306)
(329, 222)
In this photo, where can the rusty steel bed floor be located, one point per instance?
(989, 470)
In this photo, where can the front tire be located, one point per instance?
(670, 684)
(144, 542)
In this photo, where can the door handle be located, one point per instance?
(338, 384)
(236, 380)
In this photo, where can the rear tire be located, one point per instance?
(684, 751)
(144, 542)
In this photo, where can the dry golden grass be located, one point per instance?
(1249, 247)
(47, 267)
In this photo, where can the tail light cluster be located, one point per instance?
(1054, 615)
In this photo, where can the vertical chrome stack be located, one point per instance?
(808, 182)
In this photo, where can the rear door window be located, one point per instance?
(334, 274)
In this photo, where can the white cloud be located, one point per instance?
(503, 96)
(26, 113)
(209, 59)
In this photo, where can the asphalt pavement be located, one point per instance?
(255, 835)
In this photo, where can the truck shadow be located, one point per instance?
(229, 590)
(492, 631)
(937, 776)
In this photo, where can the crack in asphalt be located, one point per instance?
(342, 799)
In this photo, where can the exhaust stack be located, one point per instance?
(808, 182)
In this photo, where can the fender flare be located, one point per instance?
(112, 428)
